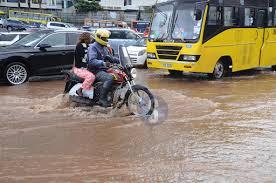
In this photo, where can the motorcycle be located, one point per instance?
(138, 99)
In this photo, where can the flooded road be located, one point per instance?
(216, 131)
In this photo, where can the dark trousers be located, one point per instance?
(105, 78)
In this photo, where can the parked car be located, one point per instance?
(2, 22)
(88, 28)
(125, 37)
(41, 53)
(138, 53)
(12, 25)
(8, 38)
(60, 25)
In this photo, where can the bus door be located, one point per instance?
(250, 39)
(268, 56)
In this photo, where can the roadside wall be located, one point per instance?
(78, 18)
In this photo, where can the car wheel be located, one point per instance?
(145, 66)
(9, 28)
(219, 71)
(16, 73)
(175, 73)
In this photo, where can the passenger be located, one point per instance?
(99, 59)
(80, 64)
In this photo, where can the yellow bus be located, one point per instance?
(32, 17)
(212, 36)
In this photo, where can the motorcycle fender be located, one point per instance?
(86, 93)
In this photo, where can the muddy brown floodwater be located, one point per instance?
(216, 131)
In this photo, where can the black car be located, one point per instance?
(12, 25)
(42, 53)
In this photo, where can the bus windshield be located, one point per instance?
(185, 26)
(161, 22)
(176, 23)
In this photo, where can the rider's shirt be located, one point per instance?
(96, 56)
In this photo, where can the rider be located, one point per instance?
(99, 59)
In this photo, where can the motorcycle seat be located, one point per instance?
(72, 76)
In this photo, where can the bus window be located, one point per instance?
(228, 16)
(231, 16)
(249, 17)
(214, 22)
(214, 16)
(274, 21)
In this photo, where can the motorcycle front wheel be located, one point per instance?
(140, 101)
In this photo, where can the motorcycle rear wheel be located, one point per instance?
(136, 101)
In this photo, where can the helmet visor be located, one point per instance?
(105, 39)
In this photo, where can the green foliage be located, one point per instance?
(87, 5)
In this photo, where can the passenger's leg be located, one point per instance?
(89, 79)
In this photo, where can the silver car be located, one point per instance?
(125, 37)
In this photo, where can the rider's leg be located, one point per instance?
(107, 80)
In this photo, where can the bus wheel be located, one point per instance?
(219, 71)
(274, 68)
(175, 73)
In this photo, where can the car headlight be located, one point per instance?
(133, 73)
(151, 56)
(142, 52)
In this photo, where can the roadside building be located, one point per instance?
(126, 4)
(34, 4)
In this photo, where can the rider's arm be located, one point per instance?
(115, 60)
(93, 55)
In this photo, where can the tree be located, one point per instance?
(86, 6)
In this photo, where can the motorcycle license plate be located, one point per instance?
(167, 65)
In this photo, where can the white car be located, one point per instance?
(60, 25)
(138, 53)
(8, 38)
(2, 22)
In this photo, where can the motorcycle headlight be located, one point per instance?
(142, 52)
(133, 73)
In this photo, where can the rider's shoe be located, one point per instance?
(104, 103)
(103, 98)
(79, 92)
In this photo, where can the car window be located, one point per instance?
(22, 35)
(72, 38)
(57, 39)
(7, 37)
(116, 34)
(130, 35)
(57, 25)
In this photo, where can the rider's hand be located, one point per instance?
(107, 64)
(108, 58)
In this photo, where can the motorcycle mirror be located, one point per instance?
(124, 56)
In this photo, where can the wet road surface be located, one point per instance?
(216, 131)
